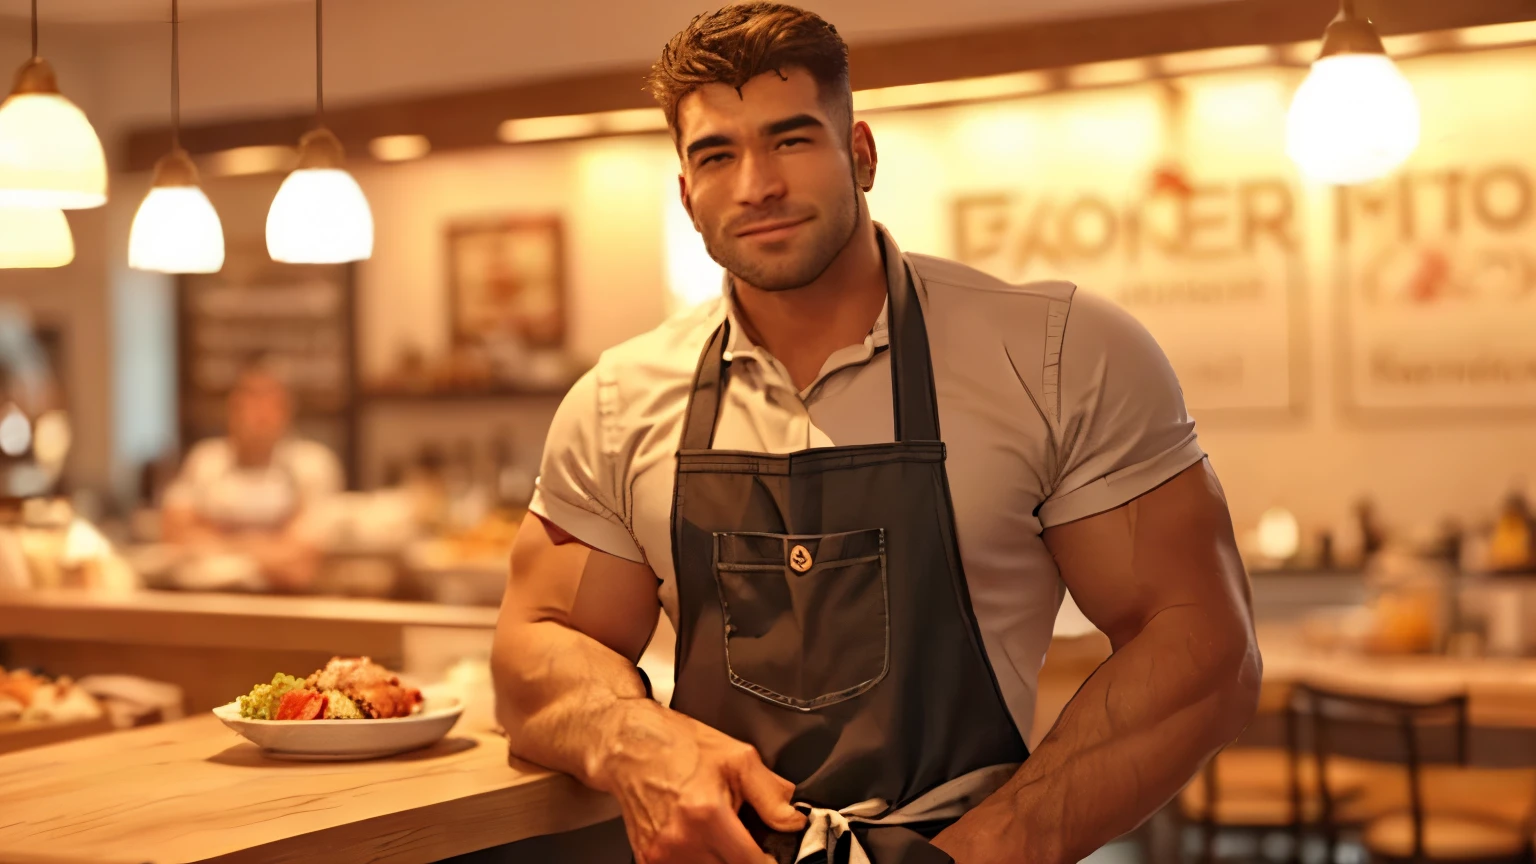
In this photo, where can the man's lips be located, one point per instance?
(763, 229)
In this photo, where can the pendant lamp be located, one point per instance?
(176, 229)
(1355, 118)
(320, 215)
(49, 155)
(34, 237)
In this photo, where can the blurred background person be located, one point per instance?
(243, 499)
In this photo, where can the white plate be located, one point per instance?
(346, 740)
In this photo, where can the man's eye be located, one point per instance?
(788, 141)
(712, 158)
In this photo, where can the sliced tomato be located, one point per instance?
(301, 705)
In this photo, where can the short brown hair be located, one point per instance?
(739, 42)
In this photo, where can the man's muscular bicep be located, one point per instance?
(1171, 547)
(602, 596)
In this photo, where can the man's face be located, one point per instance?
(259, 412)
(769, 177)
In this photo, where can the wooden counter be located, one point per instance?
(195, 791)
(216, 646)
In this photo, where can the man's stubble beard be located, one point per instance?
(834, 234)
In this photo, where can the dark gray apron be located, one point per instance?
(823, 617)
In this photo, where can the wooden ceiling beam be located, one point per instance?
(471, 118)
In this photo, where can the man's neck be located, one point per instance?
(253, 455)
(803, 326)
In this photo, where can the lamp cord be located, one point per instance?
(175, 76)
(319, 63)
(34, 29)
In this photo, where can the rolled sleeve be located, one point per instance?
(579, 482)
(599, 531)
(1124, 429)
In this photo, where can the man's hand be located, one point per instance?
(681, 783)
(573, 624)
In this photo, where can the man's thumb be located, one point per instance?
(769, 794)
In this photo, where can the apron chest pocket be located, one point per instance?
(807, 617)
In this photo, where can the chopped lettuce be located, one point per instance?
(261, 703)
(341, 707)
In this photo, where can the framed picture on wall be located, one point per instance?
(506, 279)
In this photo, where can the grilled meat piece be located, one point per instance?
(376, 690)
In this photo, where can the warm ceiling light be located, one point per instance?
(525, 129)
(1108, 73)
(564, 127)
(49, 155)
(1415, 44)
(399, 148)
(258, 159)
(1299, 53)
(1494, 35)
(945, 92)
(1216, 59)
(633, 120)
(320, 215)
(176, 229)
(1355, 118)
(34, 237)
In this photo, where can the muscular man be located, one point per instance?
(857, 484)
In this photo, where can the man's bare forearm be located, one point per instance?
(1130, 739)
(563, 697)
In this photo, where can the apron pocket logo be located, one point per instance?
(800, 560)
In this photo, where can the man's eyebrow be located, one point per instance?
(789, 124)
(707, 142)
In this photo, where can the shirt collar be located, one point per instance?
(879, 337)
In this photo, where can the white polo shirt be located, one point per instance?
(1055, 405)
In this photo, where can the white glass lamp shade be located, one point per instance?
(320, 215)
(176, 229)
(30, 237)
(1354, 119)
(49, 155)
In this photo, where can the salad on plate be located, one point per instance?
(348, 688)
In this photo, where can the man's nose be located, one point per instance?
(759, 180)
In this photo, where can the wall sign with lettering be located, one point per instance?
(1212, 269)
(1437, 299)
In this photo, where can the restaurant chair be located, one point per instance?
(1262, 785)
(1428, 742)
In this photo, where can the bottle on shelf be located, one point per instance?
(1513, 548)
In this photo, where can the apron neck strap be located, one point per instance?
(912, 394)
(708, 390)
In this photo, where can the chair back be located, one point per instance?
(1384, 730)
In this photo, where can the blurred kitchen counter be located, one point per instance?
(217, 646)
(1501, 691)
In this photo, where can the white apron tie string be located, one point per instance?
(828, 826)
(948, 801)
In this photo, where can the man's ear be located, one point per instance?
(865, 156)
